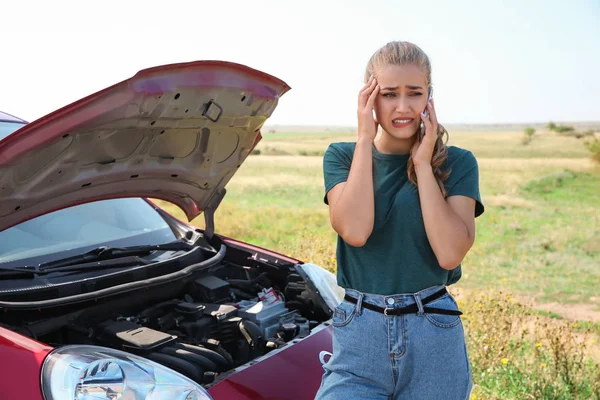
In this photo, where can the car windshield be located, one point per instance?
(120, 222)
(6, 128)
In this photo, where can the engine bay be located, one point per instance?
(223, 317)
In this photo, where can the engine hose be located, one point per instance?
(245, 283)
(220, 350)
(264, 280)
(157, 307)
(251, 333)
(179, 365)
(203, 351)
(241, 294)
(203, 362)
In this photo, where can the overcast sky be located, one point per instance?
(493, 61)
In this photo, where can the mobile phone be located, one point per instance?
(426, 112)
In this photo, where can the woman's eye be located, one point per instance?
(415, 94)
(389, 95)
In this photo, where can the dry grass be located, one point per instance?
(518, 354)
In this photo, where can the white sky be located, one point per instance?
(493, 61)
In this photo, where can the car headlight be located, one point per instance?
(94, 373)
(325, 282)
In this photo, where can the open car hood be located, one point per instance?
(175, 132)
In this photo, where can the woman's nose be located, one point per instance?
(402, 105)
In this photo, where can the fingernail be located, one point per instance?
(371, 77)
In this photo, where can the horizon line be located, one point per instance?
(593, 122)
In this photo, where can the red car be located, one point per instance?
(104, 295)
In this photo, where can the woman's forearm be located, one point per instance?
(354, 210)
(448, 235)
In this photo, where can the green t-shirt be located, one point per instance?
(397, 257)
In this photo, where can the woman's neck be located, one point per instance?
(387, 144)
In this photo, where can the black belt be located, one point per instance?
(413, 308)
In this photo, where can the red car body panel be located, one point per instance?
(21, 361)
(294, 374)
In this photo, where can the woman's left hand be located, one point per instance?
(422, 151)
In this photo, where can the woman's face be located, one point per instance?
(402, 97)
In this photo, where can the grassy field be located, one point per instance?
(533, 275)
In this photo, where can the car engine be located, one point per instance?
(222, 319)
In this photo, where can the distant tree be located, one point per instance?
(529, 131)
(563, 129)
(527, 135)
(593, 147)
(559, 128)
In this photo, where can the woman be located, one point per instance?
(404, 208)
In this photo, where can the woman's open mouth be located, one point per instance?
(401, 123)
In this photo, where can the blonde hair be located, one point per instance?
(405, 53)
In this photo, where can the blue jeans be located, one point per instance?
(411, 356)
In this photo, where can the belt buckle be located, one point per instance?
(385, 311)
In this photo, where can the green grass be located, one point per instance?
(587, 326)
(549, 249)
(548, 314)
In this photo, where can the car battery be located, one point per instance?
(265, 315)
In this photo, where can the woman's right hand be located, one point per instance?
(367, 125)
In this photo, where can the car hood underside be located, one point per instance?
(176, 132)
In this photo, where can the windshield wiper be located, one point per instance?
(107, 253)
(31, 272)
(98, 258)
(20, 272)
